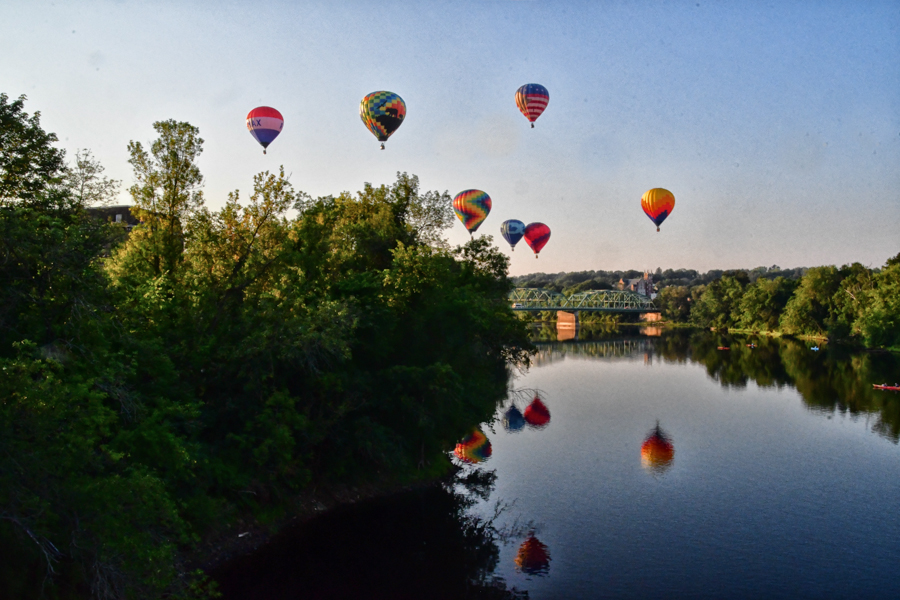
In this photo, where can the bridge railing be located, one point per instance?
(537, 299)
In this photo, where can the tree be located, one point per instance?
(879, 319)
(674, 303)
(763, 303)
(166, 193)
(810, 308)
(29, 164)
(719, 304)
(85, 179)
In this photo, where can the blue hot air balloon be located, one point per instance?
(513, 420)
(512, 232)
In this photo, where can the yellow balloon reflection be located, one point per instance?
(533, 557)
(657, 452)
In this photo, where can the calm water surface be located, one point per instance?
(775, 474)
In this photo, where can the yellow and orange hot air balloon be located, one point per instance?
(657, 452)
(658, 204)
(533, 557)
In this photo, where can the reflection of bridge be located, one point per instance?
(629, 349)
(617, 301)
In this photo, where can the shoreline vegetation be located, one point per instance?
(852, 304)
(209, 370)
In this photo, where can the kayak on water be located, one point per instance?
(894, 388)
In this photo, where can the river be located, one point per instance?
(669, 467)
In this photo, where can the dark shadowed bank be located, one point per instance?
(212, 369)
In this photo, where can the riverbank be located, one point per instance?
(249, 533)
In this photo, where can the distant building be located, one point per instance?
(643, 285)
(116, 214)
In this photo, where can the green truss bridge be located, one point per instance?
(614, 301)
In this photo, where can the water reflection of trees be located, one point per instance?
(831, 380)
(422, 544)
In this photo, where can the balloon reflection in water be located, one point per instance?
(657, 452)
(474, 448)
(537, 415)
(513, 420)
(533, 557)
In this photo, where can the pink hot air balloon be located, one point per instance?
(536, 236)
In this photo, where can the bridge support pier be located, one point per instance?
(566, 319)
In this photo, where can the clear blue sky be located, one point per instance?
(776, 125)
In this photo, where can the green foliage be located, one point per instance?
(879, 320)
(719, 303)
(218, 361)
(810, 309)
(29, 164)
(763, 303)
(675, 303)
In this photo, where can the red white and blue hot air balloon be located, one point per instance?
(532, 99)
(264, 123)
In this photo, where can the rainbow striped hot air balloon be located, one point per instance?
(532, 99)
(536, 236)
(472, 208)
(264, 123)
(658, 204)
(382, 112)
(474, 448)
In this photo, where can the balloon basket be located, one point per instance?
(264, 150)
(382, 146)
(532, 125)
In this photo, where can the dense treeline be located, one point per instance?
(849, 303)
(212, 364)
(583, 281)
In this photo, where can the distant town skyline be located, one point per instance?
(777, 127)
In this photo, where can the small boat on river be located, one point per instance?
(723, 348)
(893, 388)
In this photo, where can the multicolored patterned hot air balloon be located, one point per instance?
(512, 231)
(382, 113)
(513, 420)
(657, 452)
(532, 99)
(472, 208)
(536, 236)
(658, 204)
(474, 448)
(264, 123)
(533, 557)
(537, 415)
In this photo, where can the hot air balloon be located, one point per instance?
(658, 204)
(474, 448)
(536, 236)
(472, 208)
(382, 113)
(532, 99)
(264, 123)
(533, 557)
(512, 231)
(537, 415)
(657, 452)
(513, 420)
